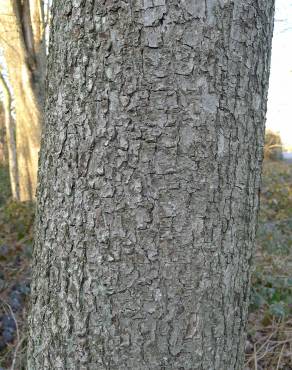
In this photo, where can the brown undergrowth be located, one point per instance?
(16, 223)
(269, 342)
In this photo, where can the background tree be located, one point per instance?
(10, 139)
(23, 44)
(149, 181)
(3, 146)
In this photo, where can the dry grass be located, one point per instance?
(270, 346)
(269, 342)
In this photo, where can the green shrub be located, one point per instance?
(18, 218)
(5, 191)
(272, 292)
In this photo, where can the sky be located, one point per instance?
(279, 115)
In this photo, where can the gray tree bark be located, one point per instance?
(149, 183)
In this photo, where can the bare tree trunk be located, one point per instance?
(22, 53)
(3, 146)
(10, 139)
(38, 28)
(149, 180)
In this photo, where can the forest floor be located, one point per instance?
(269, 340)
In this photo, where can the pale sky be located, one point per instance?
(279, 116)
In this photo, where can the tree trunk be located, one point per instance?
(10, 139)
(22, 54)
(38, 32)
(3, 145)
(149, 182)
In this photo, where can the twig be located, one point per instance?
(19, 343)
(279, 361)
(17, 334)
(262, 346)
(255, 357)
